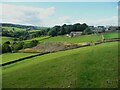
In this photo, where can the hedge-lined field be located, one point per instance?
(94, 66)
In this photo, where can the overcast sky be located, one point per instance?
(57, 13)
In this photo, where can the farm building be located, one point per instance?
(113, 28)
(73, 34)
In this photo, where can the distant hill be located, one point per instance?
(21, 26)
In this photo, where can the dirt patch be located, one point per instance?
(51, 47)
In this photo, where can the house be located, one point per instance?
(99, 29)
(73, 34)
(113, 28)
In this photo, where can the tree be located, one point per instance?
(88, 31)
(7, 42)
(6, 48)
(31, 44)
(17, 46)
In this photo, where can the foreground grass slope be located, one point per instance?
(94, 66)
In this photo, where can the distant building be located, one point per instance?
(113, 28)
(73, 34)
(98, 29)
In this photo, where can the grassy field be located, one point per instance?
(15, 28)
(79, 39)
(4, 39)
(85, 38)
(111, 35)
(13, 56)
(92, 67)
(38, 38)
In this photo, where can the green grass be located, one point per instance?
(4, 39)
(88, 67)
(15, 28)
(37, 38)
(111, 35)
(79, 39)
(13, 56)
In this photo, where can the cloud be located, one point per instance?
(64, 19)
(104, 21)
(25, 15)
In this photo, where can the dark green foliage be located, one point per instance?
(6, 48)
(65, 29)
(54, 31)
(17, 46)
(7, 42)
(88, 31)
(31, 44)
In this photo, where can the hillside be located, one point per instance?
(93, 67)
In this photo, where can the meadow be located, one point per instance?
(4, 39)
(88, 67)
(79, 39)
(15, 28)
(111, 35)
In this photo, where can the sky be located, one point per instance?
(48, 14)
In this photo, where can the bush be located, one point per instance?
(6, 48)
(33, 43)
(7, 42)
(17, 46)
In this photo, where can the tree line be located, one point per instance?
(53, 31)
(15, 46)
(66, 29)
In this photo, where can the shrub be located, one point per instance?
(6, 48)
(31, 44)
(17, 46)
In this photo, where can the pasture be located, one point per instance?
(109, 35)
(79, 39)
(37, 38)
(88, 67)
(4, 39)
(15, 28)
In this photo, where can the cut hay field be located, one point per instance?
(13, 56)
(88, 67)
